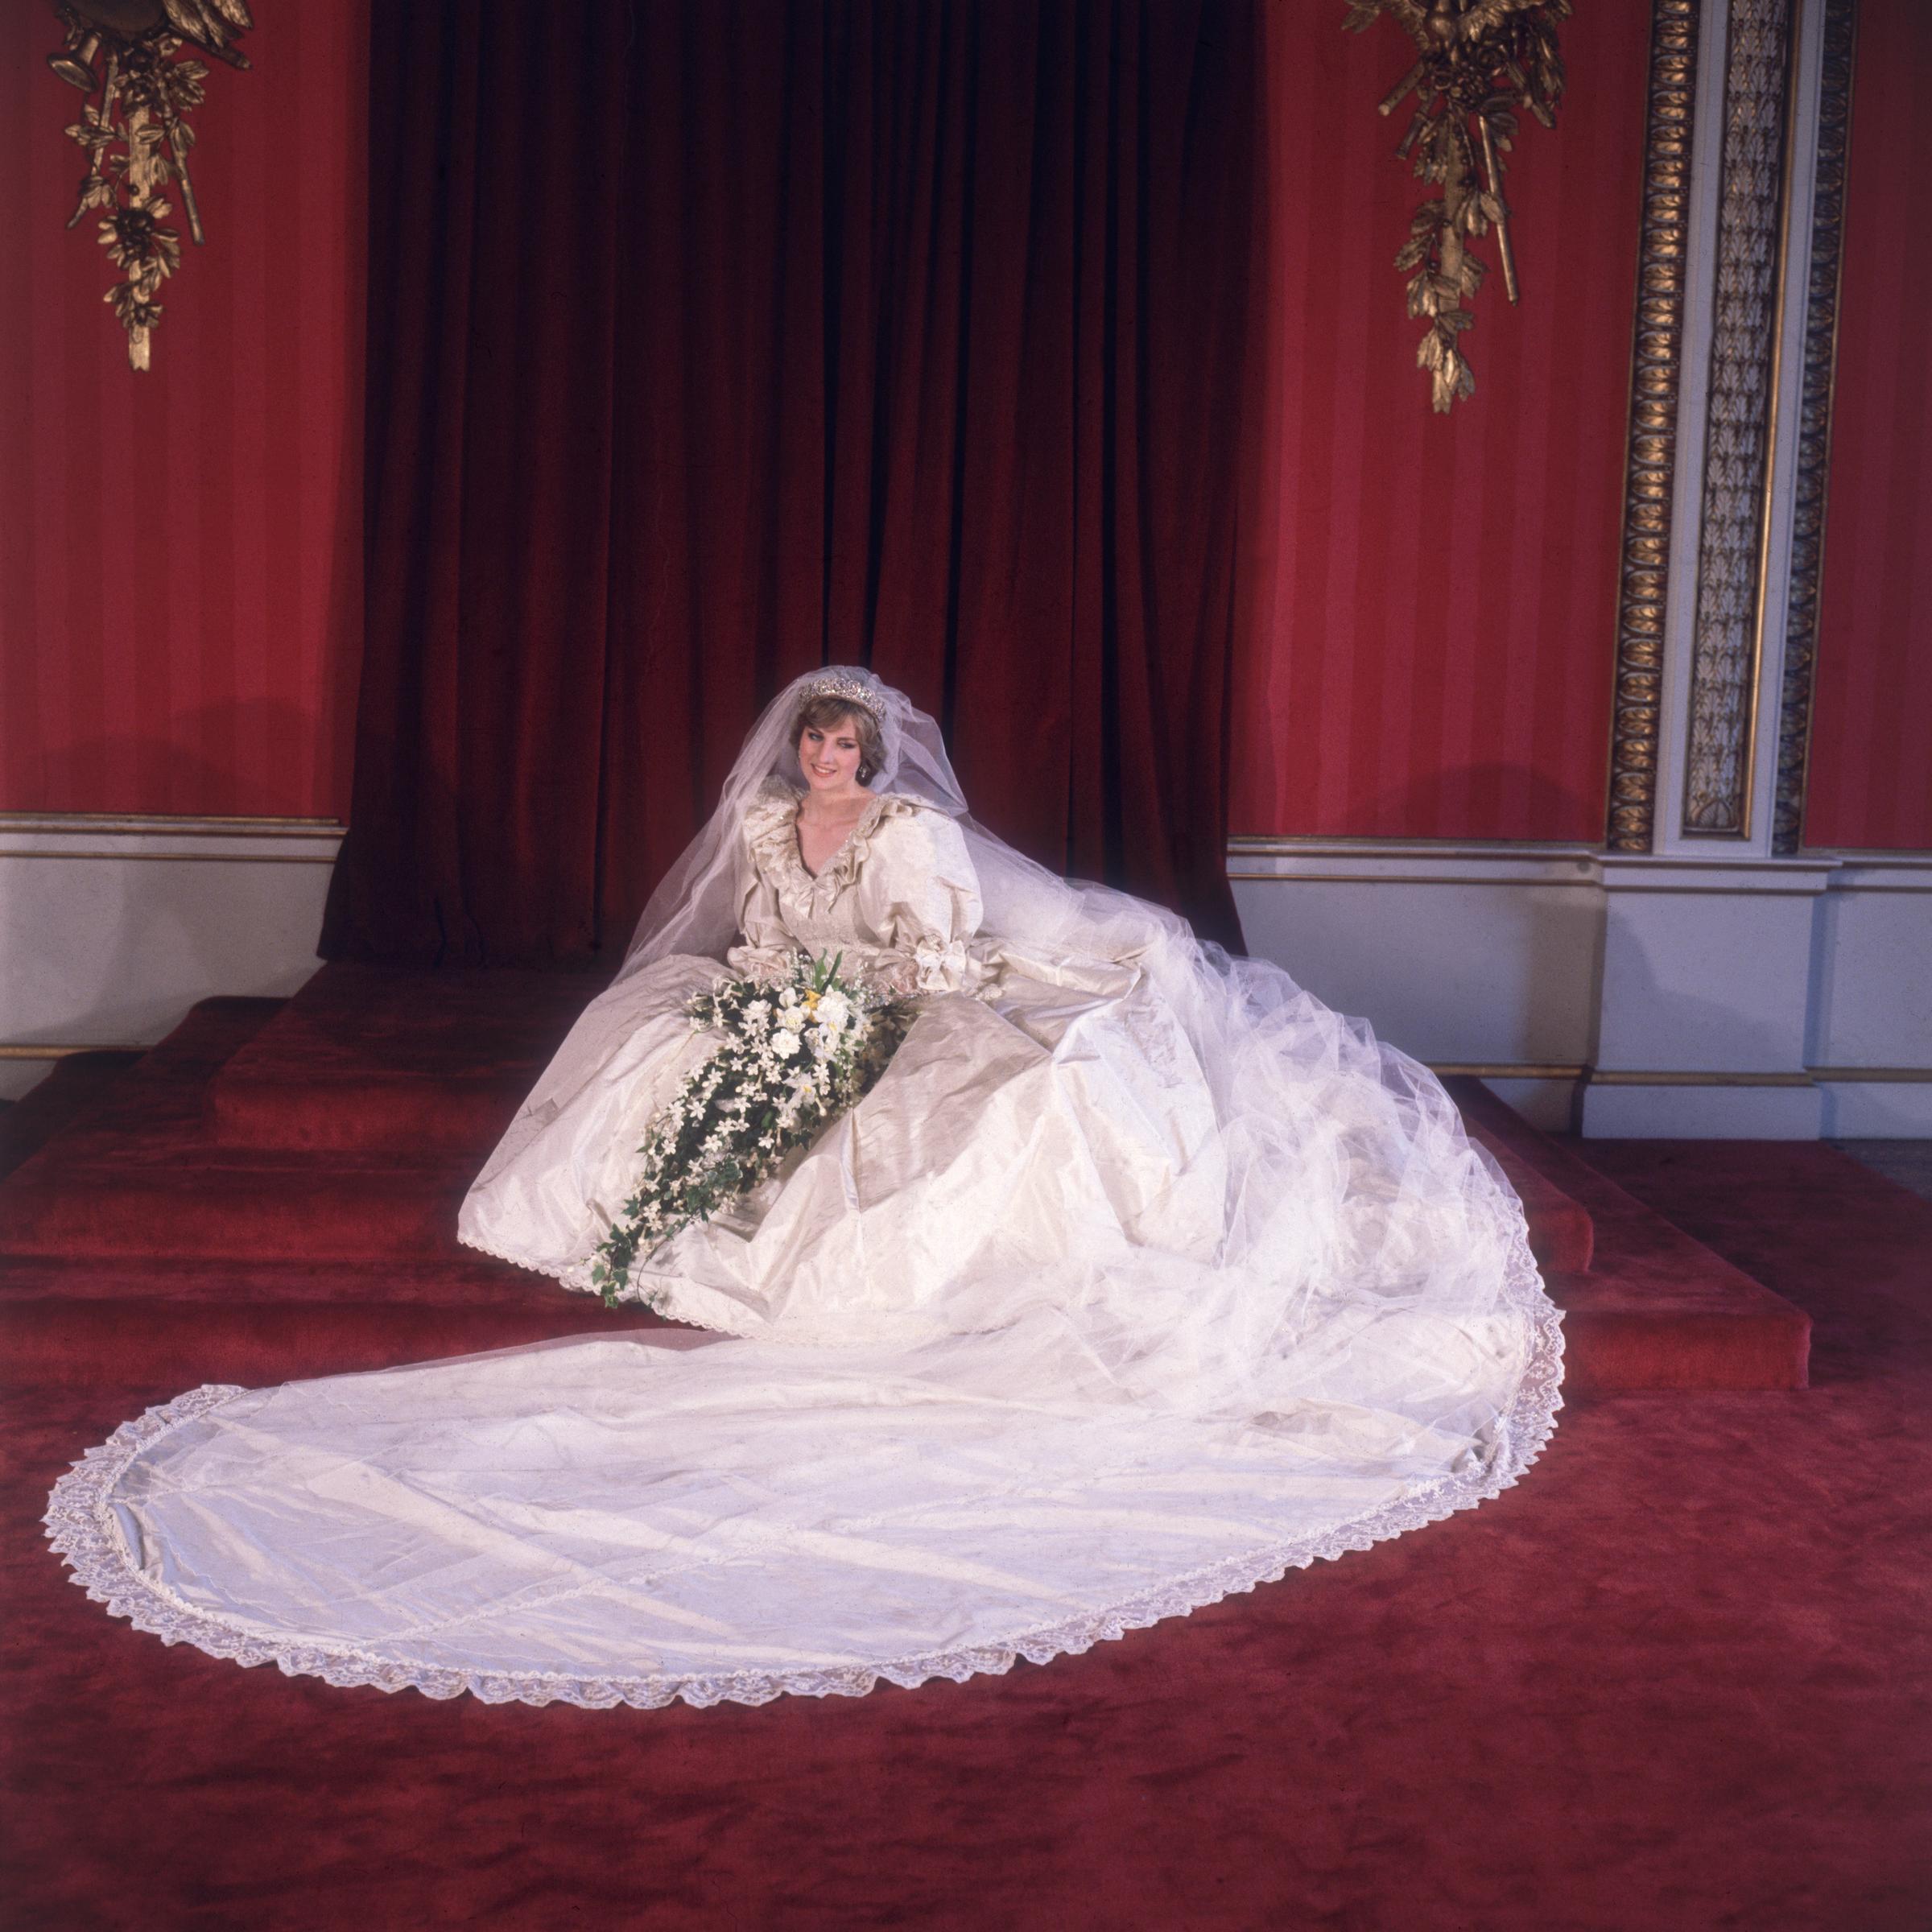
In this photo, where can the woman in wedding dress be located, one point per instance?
(1138, 1277)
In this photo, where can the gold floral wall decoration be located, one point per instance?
(137, 140)
(1480, 61)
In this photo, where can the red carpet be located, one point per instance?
(1681, 1678)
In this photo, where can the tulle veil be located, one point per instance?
(1361, 1226)
(694, 909)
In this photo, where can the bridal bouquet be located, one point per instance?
(794, 1056)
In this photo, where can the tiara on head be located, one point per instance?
(832, 685)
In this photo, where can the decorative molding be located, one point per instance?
(1327, 862)
(1406, 846)
(1677, 1077)
(1809, 1076)
(182, 858)
(1815, 423)
(1508, 1069)
(1656, 358)
(105, 824)
(1877, 871)
(1402, 878)
(1913, 1076)
(31, 1050)
(146, 838)
(1741, 422)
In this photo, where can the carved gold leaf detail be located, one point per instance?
(132, 51)
(1480, 60)
(1657, 360)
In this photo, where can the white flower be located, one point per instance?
(784, 1042)
(834, 1010)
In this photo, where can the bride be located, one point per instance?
(1139, 1277)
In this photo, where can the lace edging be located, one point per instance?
(80, 1527)
(579, 1283)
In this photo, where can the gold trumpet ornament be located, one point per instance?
(1480, 60)
(136, 136)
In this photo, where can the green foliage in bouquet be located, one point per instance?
(795, 1055)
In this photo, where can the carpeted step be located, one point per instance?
(260, 1209)
(1658, 1309)
(376, 1057)
(160, 1095)
(83, 1344)
(1562, 1236)
(78, 1083)
(1553, 1157)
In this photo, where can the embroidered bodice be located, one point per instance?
(898, 898)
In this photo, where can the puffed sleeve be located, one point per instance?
(919, 895)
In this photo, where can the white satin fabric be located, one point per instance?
(1040, 1124)
(1139, 1277)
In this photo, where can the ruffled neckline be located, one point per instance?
(771, 831)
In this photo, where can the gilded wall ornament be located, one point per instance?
(131, 52)
(1741, 427)
(1480, 60)
(1656, 372)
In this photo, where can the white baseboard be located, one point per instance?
(1877, 1110)
(112, 926)
(1770, 999)
(1686, 1111)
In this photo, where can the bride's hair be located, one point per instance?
(823, 712)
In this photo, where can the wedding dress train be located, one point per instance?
(1140, 1277)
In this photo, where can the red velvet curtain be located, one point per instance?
(710, 342)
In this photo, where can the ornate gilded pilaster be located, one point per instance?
(1656, 362)
(1815, 422)
(1728, 629)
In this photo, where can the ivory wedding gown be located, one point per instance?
(1139, 1277)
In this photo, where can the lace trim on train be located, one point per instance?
(80, 1525)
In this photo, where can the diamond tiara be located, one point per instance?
(833, 686)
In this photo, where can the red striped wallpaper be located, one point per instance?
(1870, 783)
(180, 551)
(1437, 604)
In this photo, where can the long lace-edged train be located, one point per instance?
(1131, 1538)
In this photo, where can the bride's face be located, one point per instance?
(829, 756)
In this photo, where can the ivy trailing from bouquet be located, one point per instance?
(794, 1055)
